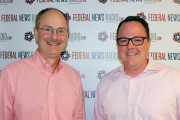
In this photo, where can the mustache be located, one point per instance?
(54, 41)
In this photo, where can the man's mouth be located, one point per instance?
(131, 53)
(54, 42)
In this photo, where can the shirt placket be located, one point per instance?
(136, 97)
(51, 94)
(130, 99)
(51, 99)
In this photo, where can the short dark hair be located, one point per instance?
(45, 10)
(134, 18)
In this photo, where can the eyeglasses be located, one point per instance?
(123, 41)
(49, 31)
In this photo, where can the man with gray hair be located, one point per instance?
(43, 87)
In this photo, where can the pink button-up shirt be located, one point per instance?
(152, 95)
(29, 91)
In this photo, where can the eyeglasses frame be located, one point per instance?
(130, 39)
(52, 31)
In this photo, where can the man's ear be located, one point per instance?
(35, 34)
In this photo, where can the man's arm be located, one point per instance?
(178, 97)
(80, 110)
(176, 87)
(98, 111)
(6, 100)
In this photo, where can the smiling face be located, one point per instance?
(51, 46)
(133, 57)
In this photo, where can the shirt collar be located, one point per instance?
(151, 66)
(42, 63)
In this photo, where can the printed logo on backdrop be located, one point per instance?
(152, 1)
(110, 56)
(81, 55)
(68, 16)
(89, 93)
(176, 37)
(76, 37)
(173, 56)
(65, 56)
(158, 55)
(113, 56)
(113, 18)
(159, 17)
(101, 73)
(164, 56)
(6, 2)
(76, 1)
(176, 1)
(142, 15)
(106, 56)
(97, 17)
(18, 17)
(102, 1)
(4, 37)
(28, 36)
(15, 54)
(30, 2)
(155, 38)
(174, 17)
(102, 36)
(134, 1)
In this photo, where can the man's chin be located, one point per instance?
(54, 54)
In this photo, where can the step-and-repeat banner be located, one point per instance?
(92, 43)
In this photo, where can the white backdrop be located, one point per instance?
(92, 46)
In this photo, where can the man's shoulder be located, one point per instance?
(68, 67)
(113, 74)
(168, 69)
(18, 63)
(108, 79)
(169, 73)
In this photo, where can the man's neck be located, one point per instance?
(54, 62)
(134, 71)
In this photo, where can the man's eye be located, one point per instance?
(60, 31)
(123, 40)
(48, 29)
(137, 40)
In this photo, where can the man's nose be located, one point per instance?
(130, 45)
(54, 35)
